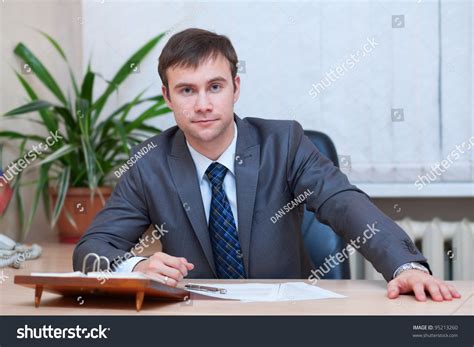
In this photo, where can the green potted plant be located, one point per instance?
(84, 146)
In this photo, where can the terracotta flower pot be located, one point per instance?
(81, 209)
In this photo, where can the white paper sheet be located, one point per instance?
(256, 292)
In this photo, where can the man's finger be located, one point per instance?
(189, 266)
(160, 278)
(419, 290)
(170, 272)
(445, 292)
(454, 292)
(175, 263)
(433, 289)
(169, 281)
(185, 266)
(393, 290)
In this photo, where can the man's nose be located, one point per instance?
(203, 103)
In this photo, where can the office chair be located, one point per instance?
(319, 239)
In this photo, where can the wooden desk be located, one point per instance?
(363, 298)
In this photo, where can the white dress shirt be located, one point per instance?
(201, 163)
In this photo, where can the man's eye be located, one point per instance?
(186, 91)
(216, 87)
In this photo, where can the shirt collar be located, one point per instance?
(201, 162)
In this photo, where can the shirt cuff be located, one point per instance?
(129, 264)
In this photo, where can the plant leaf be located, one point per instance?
(131, 105)
(68, 119)
(123, 137)
(63, 187)
(46, 202)
(89, 158)
(54, 43)
(32, 106)
(16, 190)
(19, 207)
(66, 149)
(123, 73)
(87, 87)
(15, 136)
(61, 53)
(104, 126)
(147, 128)
(40, 71)
(70, 219)
(152, 112)
(40, 188)
(48, 119)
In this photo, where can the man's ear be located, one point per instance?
(236, 88)
(164, 91)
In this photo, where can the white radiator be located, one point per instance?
(448, 246)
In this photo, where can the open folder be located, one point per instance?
(118, 284)
(100, 282)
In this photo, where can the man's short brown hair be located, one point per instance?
(191, 47)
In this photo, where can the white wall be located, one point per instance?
(289, 46)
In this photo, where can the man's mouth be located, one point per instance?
(204, 121)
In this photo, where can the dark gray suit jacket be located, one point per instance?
(275, 162)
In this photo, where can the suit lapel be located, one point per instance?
(247, 162)
(186, 183)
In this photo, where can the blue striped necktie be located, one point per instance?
(224, 238)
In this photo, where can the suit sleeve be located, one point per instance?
(118, 226)
(345, 208)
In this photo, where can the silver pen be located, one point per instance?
(205, 288)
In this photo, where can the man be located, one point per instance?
(214, 181)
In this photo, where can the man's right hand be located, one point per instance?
(165, 268)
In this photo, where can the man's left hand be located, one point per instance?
(418, 282)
